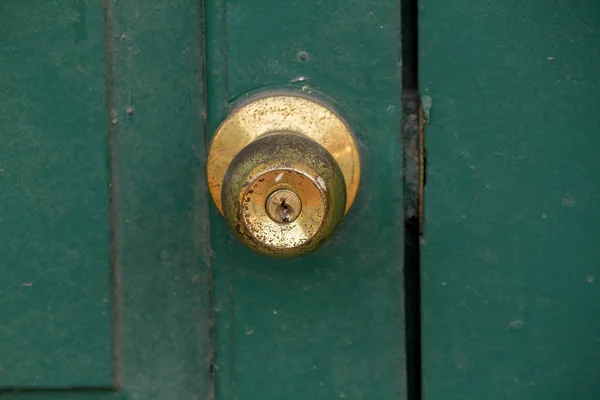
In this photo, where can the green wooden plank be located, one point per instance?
(160, 199)
(329, 324)
(510, 260)
(159, 202)
(66, 394)
(54, 276)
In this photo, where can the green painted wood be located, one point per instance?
(161, 202)
(55, 272)
(510, 259)
(329, 324)
(150, 67)
(67, 394)
(326, 325)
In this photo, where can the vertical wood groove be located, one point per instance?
(112, 190)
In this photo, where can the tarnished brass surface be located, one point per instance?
(283, 205)
(283, 170)
(280, 166)
(276, 113)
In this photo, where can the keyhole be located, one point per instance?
(285, 211)
(283, 206)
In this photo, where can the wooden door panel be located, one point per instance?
(510, 254)
(130, 80)
(328, 324)
(55, 293)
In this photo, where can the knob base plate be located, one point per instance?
(283, 112)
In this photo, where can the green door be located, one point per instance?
(103, 289)
(119, 278)
(510, 260)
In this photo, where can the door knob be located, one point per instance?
(283, 169)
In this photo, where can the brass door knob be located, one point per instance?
(283, 170)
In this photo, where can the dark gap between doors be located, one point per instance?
(412, 180)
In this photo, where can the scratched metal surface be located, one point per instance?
(510, 256)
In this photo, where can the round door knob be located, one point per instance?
(283, 194)
(283, 170)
